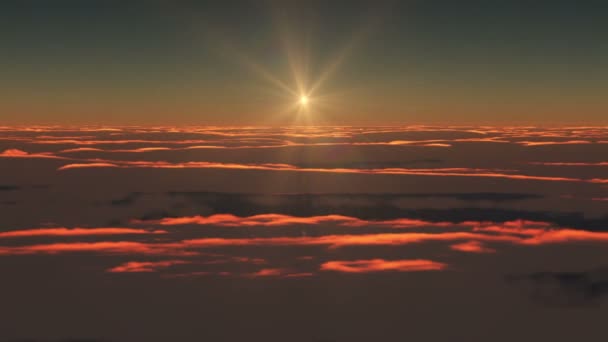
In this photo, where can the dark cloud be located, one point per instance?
(154, 215)
(374, 198)
(382, 207)
(563, 289)
(369, 164)
(18, 187)
(129, 199)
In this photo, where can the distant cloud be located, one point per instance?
(563, 289)
(472, 247)
(571, 163)
(126, 200)
(16, 153)
(280, 167)
(256, 220)
(269, 272)
(24, 233)
(145, 266)
(381, 265)
(86, 165)
(108, 247)
(468, 236)
(544, 143)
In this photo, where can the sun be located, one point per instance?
(303, 100)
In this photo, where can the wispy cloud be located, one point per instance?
(16, 153)
(23, 233)
(87, 165)
(437, 172)
(145, 266)
(472, 247)
(381, 265)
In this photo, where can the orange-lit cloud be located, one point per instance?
(116, 247)
(75, 232)
(472, 247)
(87, 165)
(244, 144)
(566, 235)
(16, 153)
(472, 235)
(381, 265)
(278, 272)
(267, 220)
(275, 220)
(542, 143)
(334, 241)
(145, 266)
(112, 142)
(269, 272)
(441, 172)
(81, 149)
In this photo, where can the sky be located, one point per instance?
(360, 62)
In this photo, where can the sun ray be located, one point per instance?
(300, 89)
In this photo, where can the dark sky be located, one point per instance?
(211, 62)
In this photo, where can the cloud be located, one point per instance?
(470, 235)
(278, 272)
(566, 235)
(127, 200)
(538, 229)
(16, 153)
(87, 165)
(61, 141)
(114, 247)
(75, 232)
(280, 220)
(543, 143)
(571, 163)
(381, 265)
(371, 206)
(279, 167)
(267, 220)
(563, 289)
(268, 272)
(334, 241)
(145, 266)
(81, 149)
(472, 247)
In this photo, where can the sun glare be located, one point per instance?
(304, 100)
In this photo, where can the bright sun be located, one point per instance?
(304, 100)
